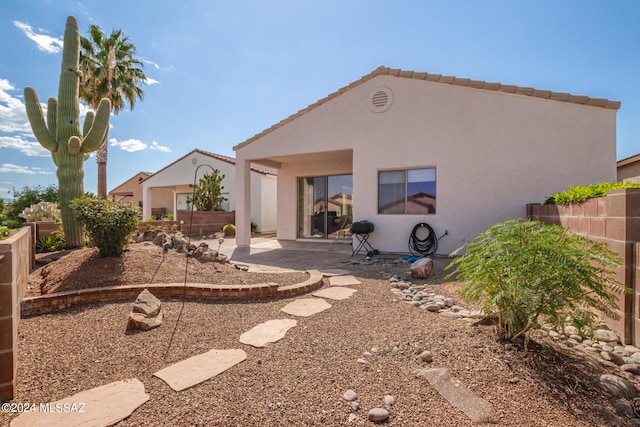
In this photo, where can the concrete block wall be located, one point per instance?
(15, 262)
(205, 222)
(614, 220)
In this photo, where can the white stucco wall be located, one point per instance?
(266, 214)
(177, 177)
(494, 152)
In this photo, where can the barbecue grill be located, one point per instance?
(362, 230)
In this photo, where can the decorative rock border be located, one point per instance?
(51, 303)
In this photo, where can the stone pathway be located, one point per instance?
(477, 409)
(267, 332)
(101, 406)
(334, 293)
(305, 307)
(197, 369)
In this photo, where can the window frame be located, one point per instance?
(405, 211)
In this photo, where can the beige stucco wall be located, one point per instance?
(494, 152)
(629, 172)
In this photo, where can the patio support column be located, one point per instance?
(146, 202)
(243, 202)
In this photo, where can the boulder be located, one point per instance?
(146, 313)
(422, 268)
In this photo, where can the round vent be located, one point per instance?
(194, 161)
(380, 99)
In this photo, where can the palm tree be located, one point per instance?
(109, 70)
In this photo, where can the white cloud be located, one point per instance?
(43, 42)
(13, 115)
(151, 81)
(11, 168)
(156, 146)
(133, 145)
(130, 145)
(29, 148)
(150, 62)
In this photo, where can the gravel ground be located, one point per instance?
(300, 380)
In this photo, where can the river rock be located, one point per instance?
(378, 414)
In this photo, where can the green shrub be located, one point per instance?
(527, 273)
(42, 211)
(28, 196)
(51, 243)
(577, 194)
(207, 194)
(229, 230)
(107, 223)
(4, 232)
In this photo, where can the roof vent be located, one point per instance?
(380, 99)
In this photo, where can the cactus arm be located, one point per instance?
(36, 119)
(88, 121)
(52, 111)
(73, 145)
(94, 138)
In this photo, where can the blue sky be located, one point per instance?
(221, 71)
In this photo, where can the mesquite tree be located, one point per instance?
(61, 135)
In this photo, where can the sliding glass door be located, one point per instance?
(325, 206)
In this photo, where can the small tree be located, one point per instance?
(28, 196)
(207, 194)
(107, 223)
(527, 272)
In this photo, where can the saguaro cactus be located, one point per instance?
(61, 132)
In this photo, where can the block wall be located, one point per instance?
(614, 220)
(15, 262)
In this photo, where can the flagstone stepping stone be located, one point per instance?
(334, 292)
(334, 272)
(101, 406)
(474, 407)
(343, 281)
(305, 307)
(269, 331)
(202, 367)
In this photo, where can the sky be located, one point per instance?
(220, 72)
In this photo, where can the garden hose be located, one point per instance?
(425, 246)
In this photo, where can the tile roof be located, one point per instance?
(439, 78)
(630, 159)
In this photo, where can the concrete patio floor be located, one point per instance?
(271, 254)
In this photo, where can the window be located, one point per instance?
(411, 191)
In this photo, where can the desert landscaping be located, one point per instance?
(372, 344)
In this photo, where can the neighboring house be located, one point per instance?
(629, 169)
(411, 147)
(130, 192)
(175, 178)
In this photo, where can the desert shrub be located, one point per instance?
(207, 193)
(108, 224)
(577, 194)
(4, 232)
(527, 272)
(28, 196)
(229, 230)
(42, 211)
(51, 243)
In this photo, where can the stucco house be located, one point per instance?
(175, 178)
(410, 147)
(629, 169)
(130, 192)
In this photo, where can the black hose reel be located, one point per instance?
(425, 245)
